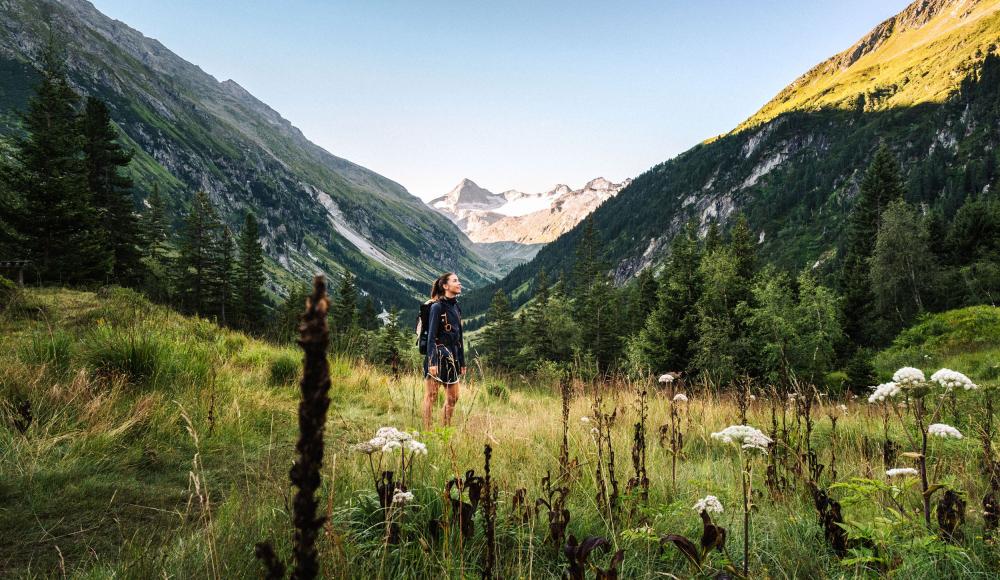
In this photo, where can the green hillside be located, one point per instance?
(191, 132)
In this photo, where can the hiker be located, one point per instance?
(445, 360)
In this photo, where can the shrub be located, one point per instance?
(498, 390)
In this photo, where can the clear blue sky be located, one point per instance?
(519, 95)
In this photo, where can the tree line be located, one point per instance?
(715, 310)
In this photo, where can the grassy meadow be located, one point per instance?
(137, 443)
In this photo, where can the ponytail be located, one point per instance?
(437, 289)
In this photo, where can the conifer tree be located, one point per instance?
(344, 313)
(197, 251)
(881, 185)
(111, 190)
(667, 338)
(369, 318)
(222, 274)
(643, 300)
(9, 207)
(499, 338)
(537, 335)
(603, 322)
(391, 338)
(901, 267)
(250, 274)
(58, 222)
(156, 260)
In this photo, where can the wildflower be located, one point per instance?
(595, 431)
(745, 435)
(667, 378)
(402, 497)
(391, 446)
(901, 471)
(709, 503)
(842, 408)
(883, 392)
(680, 398)
(585, 419)
(908, 377)
(753, 397)
(416, 447)
(366, 447)
(950, 379)
(942, 430)
(393, 434)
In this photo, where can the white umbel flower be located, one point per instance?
(897, 471)
(950, 379)
(391, 446)
(942, 430)
(709, 503)
(667, 378)
(908, 377)
(680, 398)
(416, 447)
(883, 392)
(402, 497)
(842, 408)
(585, 419)
(746, 436)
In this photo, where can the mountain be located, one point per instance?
(925, 82)
(510, 227)
(190, 132)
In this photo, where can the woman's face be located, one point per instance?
(453, 286)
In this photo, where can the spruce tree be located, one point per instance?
(156, 260)
(537, 335)
(499, 340)
(667, 339)
(368, 318)
(881, 185)
(250, 274)
(391, 339)
(604, 322)
(10, 241)
(197, 249)
(111, 190)
(222, 275)
(58, 222)
(644, 297)
(344, 313)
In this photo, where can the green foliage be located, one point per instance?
(500, 336)
(285, 368)
(52, 350)
(901, 267)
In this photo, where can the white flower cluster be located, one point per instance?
(680, 398)
(402, 497)
(667, 378)
(908, 377)
(883, 392)
(745, 435)
(585, 419)
(942, 430)
(842, 408)
(950, 379)
(897, 471)
(709, 503)
(389, 439)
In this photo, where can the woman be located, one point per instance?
(445, 360)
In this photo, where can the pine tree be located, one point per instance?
(588, 261)
(156, 260)
(10, 241)
(499, 340)
(250, 274)
(391, 339)
(198, 240)
(537, 337)
(604, 321)
(713, 239)
(644, 297)
(667, 339)
(368, 318)
(344, 313)
(111, 190)
(881, 185)
(58, 222)
(221, 277)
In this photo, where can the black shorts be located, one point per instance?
(448, 371)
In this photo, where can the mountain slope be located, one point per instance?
(794, 168)
(190, 132)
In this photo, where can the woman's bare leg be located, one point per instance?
(430, 397)
(451, 399)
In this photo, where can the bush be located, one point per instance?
(285, 368)
(9, 293)
(498, 390)
(835, 383)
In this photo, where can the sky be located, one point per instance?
(511, 94)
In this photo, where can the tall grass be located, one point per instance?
(100, 483)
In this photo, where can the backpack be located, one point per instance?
(423, 322)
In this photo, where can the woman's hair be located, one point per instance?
(437, 289)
